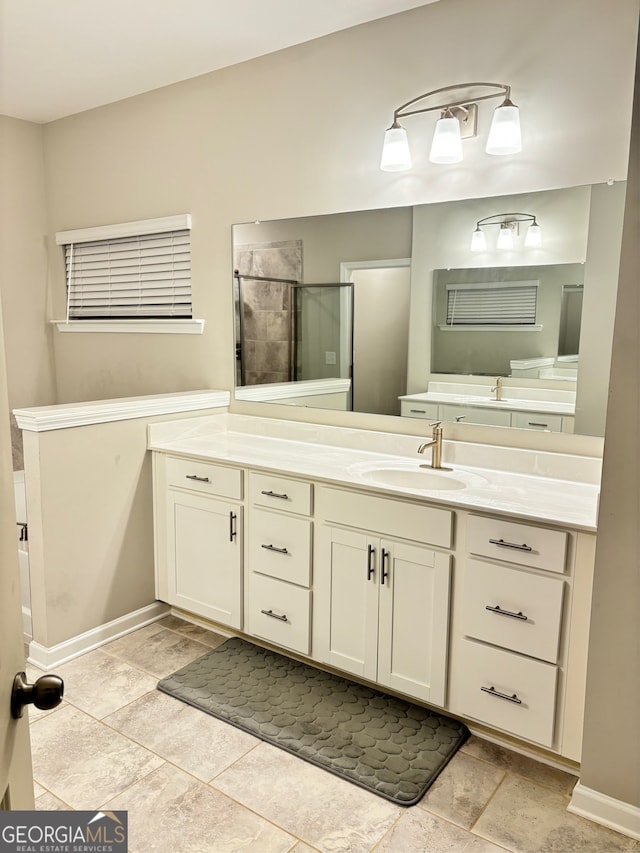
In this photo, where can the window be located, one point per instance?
(492, 304)
(136, 271)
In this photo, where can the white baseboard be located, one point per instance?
(47, 658)
(614, 814)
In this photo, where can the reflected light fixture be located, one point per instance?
(458, 120)
(508, 225)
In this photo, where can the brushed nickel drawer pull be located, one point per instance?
(273, 615)
(273, 548)
(504, 544)
(275, 495)
(418, 411)
(502, 612)
(197, 479)
(493, 692)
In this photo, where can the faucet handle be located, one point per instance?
(436, 424)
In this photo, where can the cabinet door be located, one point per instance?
(347, 601)
(204, 537)
(413, 620)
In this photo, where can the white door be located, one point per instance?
(414, 620)
(380, 338)
(204, 549)
(347, 602)
(16, 778)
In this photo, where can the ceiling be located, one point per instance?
(59, 57)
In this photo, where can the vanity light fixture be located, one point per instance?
(458, 121)
(508, 224)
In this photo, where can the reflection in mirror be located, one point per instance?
(492, 321)
(385, 345)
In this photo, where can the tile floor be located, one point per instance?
(192, 783)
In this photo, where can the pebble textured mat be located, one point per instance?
(379, 742)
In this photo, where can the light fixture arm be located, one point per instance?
(403, 111)
(502, 218)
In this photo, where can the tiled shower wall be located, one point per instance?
(266, 344)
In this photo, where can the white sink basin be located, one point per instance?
(414, 475)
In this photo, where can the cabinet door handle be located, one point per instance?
(232, 526)
(273, 615)
(371, 551)
(417, 411)
(273, 548)
(493, 692)
(197, 479)
(282, 497)
(535, 424)
(504, 544)
(502, 612)
(385, 559)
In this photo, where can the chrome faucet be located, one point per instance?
(498, 388)
(436, 444)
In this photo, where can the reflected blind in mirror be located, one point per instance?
(499, 304)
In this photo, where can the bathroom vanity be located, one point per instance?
(467, 588)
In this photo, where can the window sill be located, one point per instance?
(165, 327)
(497, 328)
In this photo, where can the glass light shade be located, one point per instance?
(505, 238)
(504, 135)
(447, 143)
(396, 156)
(478, 241)
(534, 236)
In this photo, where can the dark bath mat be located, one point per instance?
(387, 745)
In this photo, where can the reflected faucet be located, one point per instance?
(498, 388)
(436, 444)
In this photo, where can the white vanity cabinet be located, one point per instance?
(499, 415)
(510, 605)
(198, 526)
(381, 602)
(473, 610)
(279, 542)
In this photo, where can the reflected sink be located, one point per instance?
(414, 478)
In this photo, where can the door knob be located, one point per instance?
(45, 693)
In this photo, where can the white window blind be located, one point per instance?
(492, 304)
(127, 275)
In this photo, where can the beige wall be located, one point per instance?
(89, 499)
(611, 743)
(23, 269)
(299, 132)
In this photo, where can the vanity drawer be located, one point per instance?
(280, 493)
(414, 409)
(386, 516)
(512, 608)
(280, 613)
(280, 546)
(536, 420)
(505, 690)
(517, 543)
(204, 477)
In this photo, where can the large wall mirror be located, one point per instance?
(391, 311)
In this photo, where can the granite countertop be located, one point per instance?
(522, 484)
